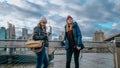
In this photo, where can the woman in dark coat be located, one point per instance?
(40, 34)
(73, 41)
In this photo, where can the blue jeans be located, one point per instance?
(42, 59)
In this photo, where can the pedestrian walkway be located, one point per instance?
(89, 60)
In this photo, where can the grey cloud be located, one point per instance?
(21, 12)
(95, 11)
(58, 19)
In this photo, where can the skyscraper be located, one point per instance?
(24, 33)
(49, 31)
(11, 35)
(11, 31)
(3, 33)
(61, 36)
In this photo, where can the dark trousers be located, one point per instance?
(42, 59)
(69, 56)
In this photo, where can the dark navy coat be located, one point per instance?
(77, 36)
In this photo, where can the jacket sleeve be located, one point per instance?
(64, 34)
(79, 35)
(37, 35)
(64, 37)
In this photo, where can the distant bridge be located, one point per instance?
(112, 37)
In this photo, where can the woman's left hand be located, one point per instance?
(78, 48)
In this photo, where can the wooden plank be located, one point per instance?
(21, 43)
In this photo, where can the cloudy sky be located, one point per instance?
(91, 15)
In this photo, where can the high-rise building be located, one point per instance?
(98, 36)
(61, 36)
(3, 33)
(24, 33)
(11, 35)
(49, 31)
(11, 31)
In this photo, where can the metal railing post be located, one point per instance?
(117, 54)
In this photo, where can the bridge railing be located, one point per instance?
(54, 45)
(21, 55)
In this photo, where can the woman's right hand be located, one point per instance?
(78, 48)
(62, 43)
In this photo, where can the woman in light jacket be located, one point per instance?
(40, 34)
(73, 41)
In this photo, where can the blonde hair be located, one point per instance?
(69, 27)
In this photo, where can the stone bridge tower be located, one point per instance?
(98, 36)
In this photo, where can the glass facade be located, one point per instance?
(3, 33)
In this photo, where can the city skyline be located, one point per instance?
(12, 32)
(91, 15)
(98, 35)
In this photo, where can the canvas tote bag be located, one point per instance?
(35, 46)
